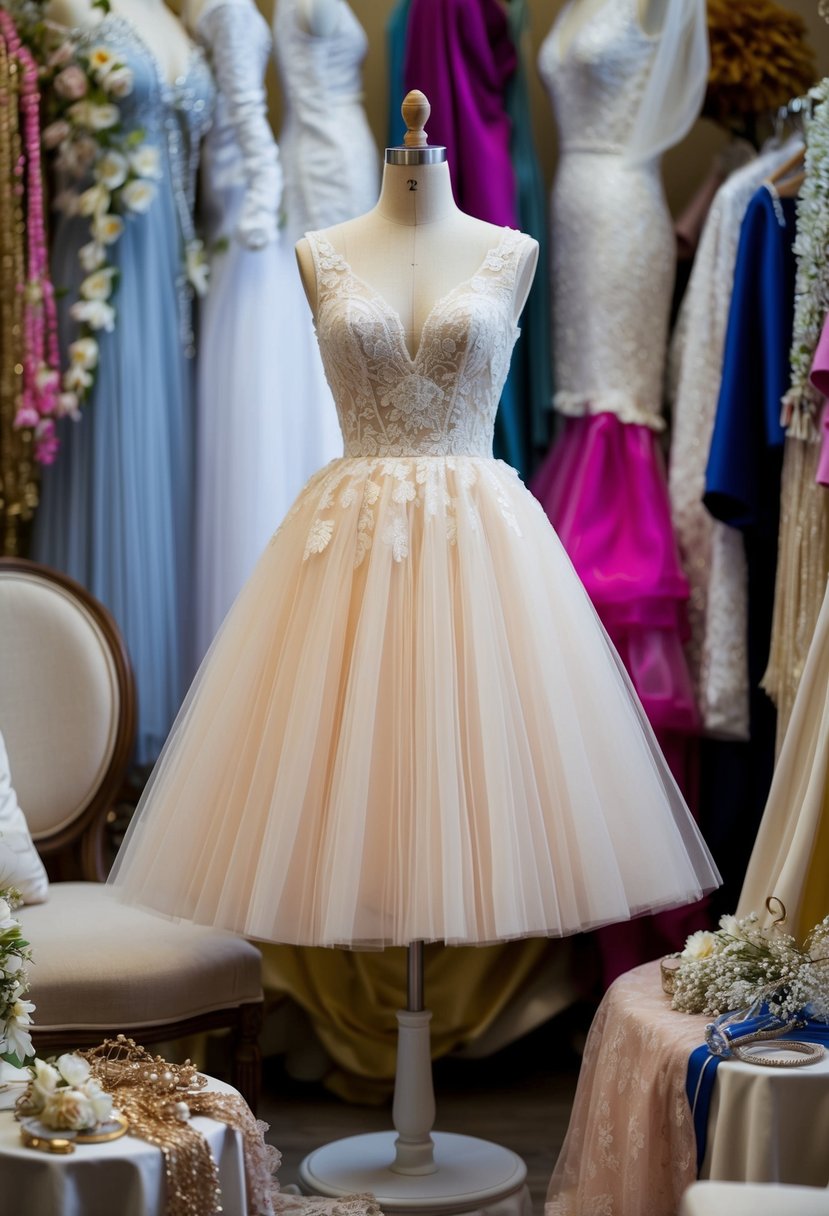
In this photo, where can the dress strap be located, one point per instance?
(329, 266)
(503, 264)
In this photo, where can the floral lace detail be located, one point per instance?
(631, 1093)
(439, 402)
(396, 490)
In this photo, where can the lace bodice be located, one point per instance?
(439, 401)
(597, 78)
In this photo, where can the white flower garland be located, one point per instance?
(15, 1010)
(802, 402)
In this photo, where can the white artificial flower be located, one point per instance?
(11, 964)
(76, 379)
(701, 944)
(731, 926)
(98, 285)
(106, 229)
(94, 201)
(68, 1110)
(91, 256)
(138, 195)
(101, 61)
(119, 82)
(146, 161)
(111, 169)
(74, 1069)
(102, 117)
(197, 268)
(18, 1040)
(100, 1101)
(97, 314)
(46, 1080)
(6, 918)
(84, 352)
(66, 406)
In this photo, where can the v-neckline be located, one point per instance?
(493, 251)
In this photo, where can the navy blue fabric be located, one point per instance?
(702, 1069)
(743, 474)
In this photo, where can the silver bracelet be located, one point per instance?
(809, 1053)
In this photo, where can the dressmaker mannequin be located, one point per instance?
(651, 17)
(415, 246)
(413, 249)
(157, 26)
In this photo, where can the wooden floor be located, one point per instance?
(520, 1098)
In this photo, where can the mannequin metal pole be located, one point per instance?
(413, 1108)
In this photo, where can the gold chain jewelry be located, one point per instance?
(158, 1099)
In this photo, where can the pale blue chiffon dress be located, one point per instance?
(116, 510)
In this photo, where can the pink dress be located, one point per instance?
(820, 379)
(603, 484)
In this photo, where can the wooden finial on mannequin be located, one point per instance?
(415, 111)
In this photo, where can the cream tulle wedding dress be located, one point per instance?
(412, 724)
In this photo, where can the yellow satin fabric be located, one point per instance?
(351, 999)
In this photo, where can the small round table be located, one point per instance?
(124, 1176)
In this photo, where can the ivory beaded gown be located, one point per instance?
(412, 724)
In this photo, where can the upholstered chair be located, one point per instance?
(100, 967)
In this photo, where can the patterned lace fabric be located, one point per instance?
(614, 246)
(442, 400)
(712, 552)
(630, 1149)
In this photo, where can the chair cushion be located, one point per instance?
(20, 865)
(100, 963)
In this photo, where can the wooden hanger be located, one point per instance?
(794, 162)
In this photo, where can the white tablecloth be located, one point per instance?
(124, 1177)
(753, 1199)
(769, 1124)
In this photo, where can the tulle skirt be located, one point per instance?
(412, 725)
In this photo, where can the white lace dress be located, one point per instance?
(604, 484)
(412, 725)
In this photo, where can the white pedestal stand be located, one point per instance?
(415, 1171)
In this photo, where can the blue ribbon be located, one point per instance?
(702, 1069)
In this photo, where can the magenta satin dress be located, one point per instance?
(460, 54)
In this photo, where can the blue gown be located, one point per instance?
(116, 507)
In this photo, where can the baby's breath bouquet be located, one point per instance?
(743, 964)
(15, 1010)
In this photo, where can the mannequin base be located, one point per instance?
(470, 1174)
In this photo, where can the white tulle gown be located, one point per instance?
(244, 419)
(412, 724)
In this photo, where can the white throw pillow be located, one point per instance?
(20, 865)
